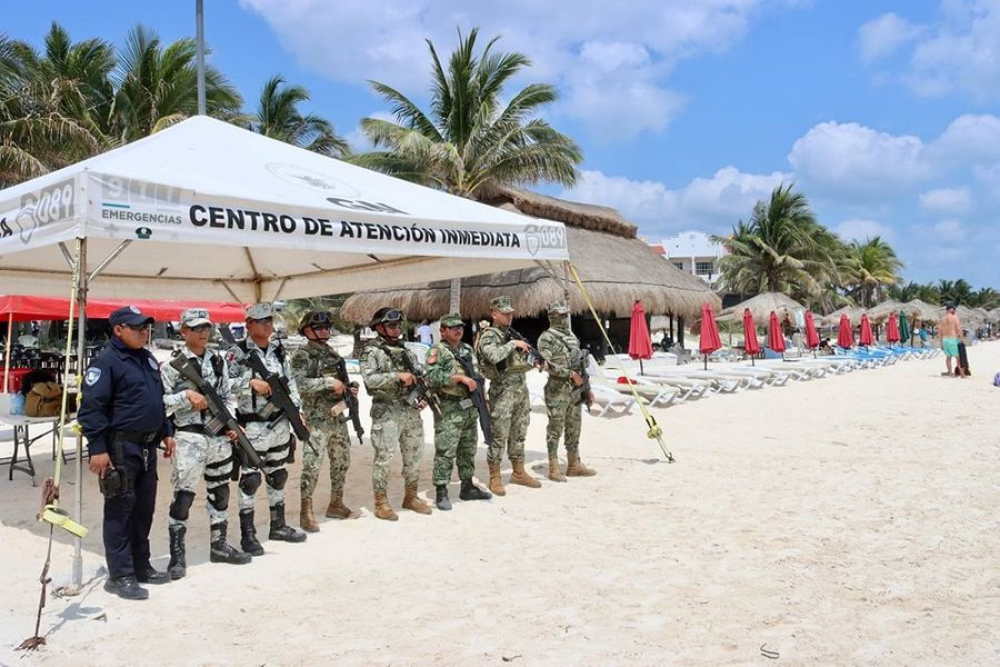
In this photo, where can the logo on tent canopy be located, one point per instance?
(311, 179)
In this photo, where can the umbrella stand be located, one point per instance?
(641, 371)
(706, 361)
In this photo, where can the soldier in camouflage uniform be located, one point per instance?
(200, 453)
(504, 361)
(563, 398)
(266, 427)
(456, 428)
(395, 419)
(315, 368)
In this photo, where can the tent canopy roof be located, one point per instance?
(213, 211)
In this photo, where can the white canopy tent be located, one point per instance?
(206, 210)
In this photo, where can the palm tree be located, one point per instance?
(278, 117)
(986, 297)
(873, 267)
(469, 141)
(781, 249)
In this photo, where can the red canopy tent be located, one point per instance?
(845, 335)
(865, 337)
(750, 343)
(640, 346)
(892, 329)
(709, 341)
(775, 339)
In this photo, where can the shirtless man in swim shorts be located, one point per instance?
(950, 331)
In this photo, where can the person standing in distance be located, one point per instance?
(123, 418)
(200, 453)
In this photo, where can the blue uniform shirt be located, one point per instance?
(122, 390)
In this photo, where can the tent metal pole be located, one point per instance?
(81, 351)
(455, 298)
(6, 358)
(231, 292)
(569, 318)
(199, 12)
(110, 258)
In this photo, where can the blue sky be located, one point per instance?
(885, 114)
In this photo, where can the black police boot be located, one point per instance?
(147, 574)
(178, 560)
(248, 534)
(126, 587)
(442, 501)
(223, 552)
(472, 492)
(281, 531)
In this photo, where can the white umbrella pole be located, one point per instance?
(6, 358)
(81, 350)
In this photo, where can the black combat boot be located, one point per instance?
(472, 492)
(126, 587)
(248, 534)
(221, 551)
(281, 531)
(177, 567)
(442, 501)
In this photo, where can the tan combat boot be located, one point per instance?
(576, 467)
(337, 509)
(306, 517)
(496, 484)
(382, 508)
(412, 501)
(521, 476)
(555, 474)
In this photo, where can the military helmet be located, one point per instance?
(317, 319)
(385, 315)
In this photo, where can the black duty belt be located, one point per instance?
(138, 437)
(245, 418)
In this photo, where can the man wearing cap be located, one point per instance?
(563, 398)
(123, 418)
(315, 368)
(504, 361)
(395, 420)
(456, 428)
(266, 427)
(200, 452)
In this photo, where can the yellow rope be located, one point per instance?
(655, 432)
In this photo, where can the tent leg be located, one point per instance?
(455, 303)
(6, 358)
(81, 351)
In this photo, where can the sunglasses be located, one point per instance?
(393, 325)
(201, 328)
(136, 327)
(319, 327)
(455, 326)
(267, 321)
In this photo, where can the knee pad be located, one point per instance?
(277, 479)
(250, 482)
(219, 497)
(181, 506)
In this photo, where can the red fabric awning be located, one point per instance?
(26, 308)
(775, 339)
(750, 342)
(640, 346)
(812, 336)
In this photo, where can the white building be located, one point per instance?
(693, 252)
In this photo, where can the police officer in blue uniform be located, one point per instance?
(123, 418)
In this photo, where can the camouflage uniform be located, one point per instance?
(314, 368)
(456, 428)
(394, 419)
(506, 367)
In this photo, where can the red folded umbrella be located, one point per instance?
(812, 336)
(639, 344)
(866, 338)
(775, 339)
(751, 344)
(845, 336)
(710, 341)
(892, 329)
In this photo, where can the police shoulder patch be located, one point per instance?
(153, 363)
(93, 375)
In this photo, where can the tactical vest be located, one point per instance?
(395, 352)
(447, 354)
(516, 362)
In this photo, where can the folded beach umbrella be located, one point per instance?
(709, 341)
(892, 329)
(845, 336)
(750, 344)
(775, 339)
(812, 336)
(639, 344)
(865, 337)
(904, 327)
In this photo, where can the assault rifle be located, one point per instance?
(478, 399)
(582, 393)
(420, 391)
(281, 398)
(222, 419)
(353, 409)
(535, 357)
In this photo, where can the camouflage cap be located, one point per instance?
(452, 320)
(558, 308)
(260, 311)
(193, 317)
(502, 303)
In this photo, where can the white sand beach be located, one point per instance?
(849, 520)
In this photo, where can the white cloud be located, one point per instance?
(610, 62)
(713, 204)
(883, 36)
(850, 160)
(951, 230)
(861, 229)
(968, 140)
(947, 201)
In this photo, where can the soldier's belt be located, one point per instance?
(195, 428)
(248, 418)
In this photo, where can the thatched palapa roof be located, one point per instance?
(616, 268)
(761, 307)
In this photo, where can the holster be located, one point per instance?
(117, 481)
